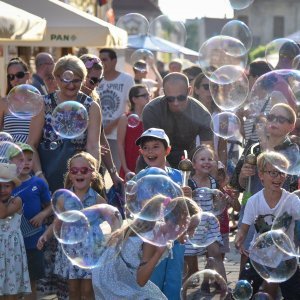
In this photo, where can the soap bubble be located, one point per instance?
(239, 30)
(261, 296)
(25, 101)
(139, 59)
(242, 290)
(104, 220)
(205, 284)
(70, 119)
(269, 261)
(5, 137)
(225, 125)
(240, 4)
(133, 120)
(67, 76)
(133, 24)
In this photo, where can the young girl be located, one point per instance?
(84, 180)
(127, 134)
(125, 273)
(203, 163)
(14, 276)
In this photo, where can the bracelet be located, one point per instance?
(38, 173)
(112, 170)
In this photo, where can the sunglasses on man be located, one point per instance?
(180, 98)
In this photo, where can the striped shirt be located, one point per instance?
(18, 128)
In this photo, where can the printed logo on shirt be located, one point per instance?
(34, 188)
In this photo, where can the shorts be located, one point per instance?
(225, 247)
(35, 261)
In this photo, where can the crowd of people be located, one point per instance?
(136, 123)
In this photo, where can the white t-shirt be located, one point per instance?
(285, 212)
(113, 99)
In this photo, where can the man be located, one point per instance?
(182, 117)
(44, 64)
(113, 91)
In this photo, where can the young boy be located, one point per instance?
(272, 201)
(155, 147)
(35, 196)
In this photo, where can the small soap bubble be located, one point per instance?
(67, 76)
(133, 120)
(242, 290)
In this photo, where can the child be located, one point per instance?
(127, 134)
(35, 196)
(14, 276)
(203, 164)
(155, 147)
(84, 180)
(125, 273)
(271, 200)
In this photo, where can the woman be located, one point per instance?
(17, 73)
(53, 151)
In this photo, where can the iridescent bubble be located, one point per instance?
(5, 137)
(146, 188)
(225, 125)
(104, 220)
(261, 296)
(67, 76)
(25, 101)
(220, 51)
(63, 201)
(269, 261)
(239, 30)
(242, 290)
(229, 87)
(240, 4)
(133, 120)
(280, 53)
(296, 62)
(129, 176)
(53, 145)
(140, 58)
(133, 24)
(11, 161)
(161, 221)
(73, 229)
(247, 266)
(205, 284)
(164, 28)
(70, 119)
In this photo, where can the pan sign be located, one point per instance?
(63, 37)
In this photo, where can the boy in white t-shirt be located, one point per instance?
(271, 203)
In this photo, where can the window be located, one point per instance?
(278, 27)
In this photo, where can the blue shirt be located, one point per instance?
(34, 193)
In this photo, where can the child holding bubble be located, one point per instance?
(14, 279)
(203, 163)
(273, 205)
(130, 127)
(84, 180)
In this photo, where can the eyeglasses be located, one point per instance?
(146, 95)
(74, 81)
(95, 80)
(274, 174)
(279, 119)
(205, 86)
(82, 170)
(180, 98)
(18, 75)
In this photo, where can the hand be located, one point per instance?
(41, 242)
(104, 150)
(238, 243)
(247, 170)
(116, 179)
(187, 191)
(37, 220)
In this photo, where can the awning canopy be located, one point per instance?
(18, 24)
(68, 26)
(154, 43)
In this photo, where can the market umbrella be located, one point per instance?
(18, 24)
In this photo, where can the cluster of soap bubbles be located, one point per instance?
(83, 233)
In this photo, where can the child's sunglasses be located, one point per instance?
(82, 170)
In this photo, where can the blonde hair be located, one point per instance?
(71, 63)
(273, 158)
(200, 149)
(97, 183)
(291, 113)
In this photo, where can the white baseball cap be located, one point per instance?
(155, 133)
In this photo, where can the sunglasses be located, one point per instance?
(95, 80)
(274, 174)
(146, 95)
(180, 98)
(18, 75)
(82, 170)
(205, 86)
(279, 119)
(74, 81)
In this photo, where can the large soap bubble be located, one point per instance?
(25, 101)
(269, 261)
(70, 119)
(205, 284)
(5, 137)
(280, 53)
(240, 4)
(139, 59)
(239, 30)
(220, 51)
(133, 24)
(104, 220)
(225, 124)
